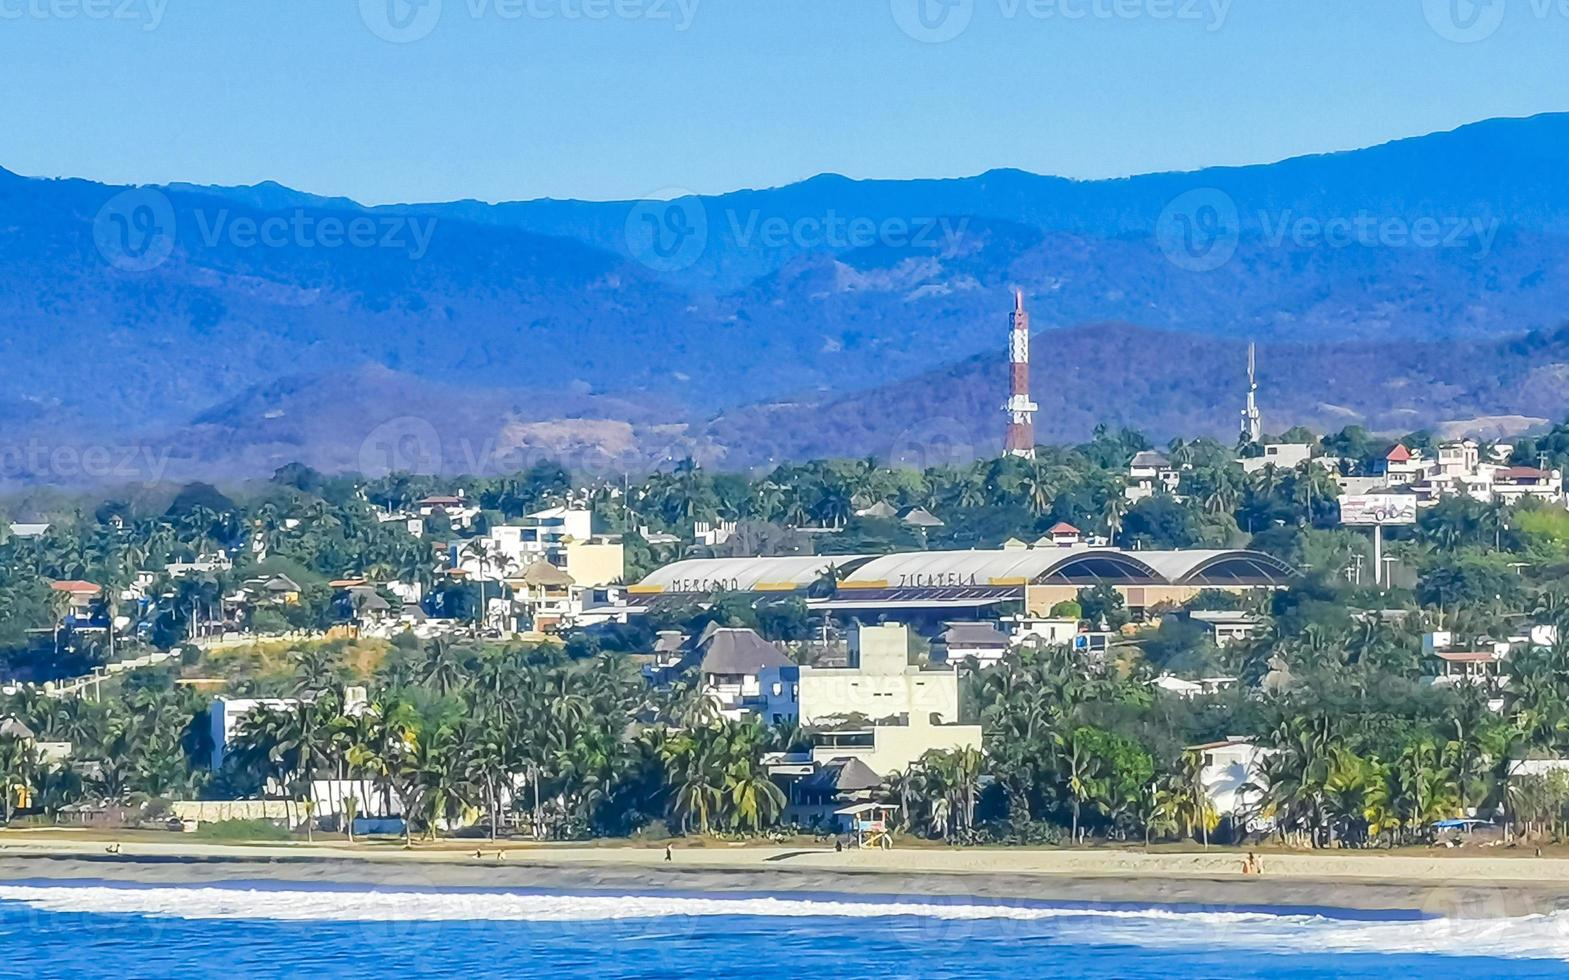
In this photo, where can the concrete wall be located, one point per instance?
(215, 811)
(593, 565)
(881, 685)
(896, 748)
(1038, 599)
(830, 693)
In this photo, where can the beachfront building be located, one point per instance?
(1230, 772)
(745, 675)
(227, 714)
(879, 682)
(813, 790)
(892, 745)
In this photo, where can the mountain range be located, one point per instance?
(228, 330)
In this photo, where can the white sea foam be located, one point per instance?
(1532, 936)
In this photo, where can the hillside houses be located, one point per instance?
(1460, 468)
(879, 709)
(1150, 473)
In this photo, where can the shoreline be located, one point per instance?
(1459, 887)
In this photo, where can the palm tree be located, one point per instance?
(480, 552)
(754, 799)
(18, 772)
(1116, 506)
(1037, 486)
(1080, 767)
(445, 670)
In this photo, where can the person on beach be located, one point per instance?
(669, 853)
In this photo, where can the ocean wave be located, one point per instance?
(1532, 936)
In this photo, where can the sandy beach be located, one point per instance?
(1439, 883)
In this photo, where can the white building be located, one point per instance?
(1150, 473)
(226, 714)
(564, 537)
(1229, 767)
(1287, 456)
(1227, 626)
(219, 561)
(879, 683)
(1048, 631)
(746, 675)
(712, 535)
(1459, 468)
(458, 509)
(961, 642)
(1192, 689)
(887, 748)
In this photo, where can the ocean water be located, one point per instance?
(243, 930)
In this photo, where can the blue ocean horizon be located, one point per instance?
(268, 928)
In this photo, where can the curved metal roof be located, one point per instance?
(1227, 567)
(744, 574)
(960, 569)
(1010, 566)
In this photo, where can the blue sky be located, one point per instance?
(514, 99)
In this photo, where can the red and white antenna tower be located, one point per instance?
(1021, 411)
